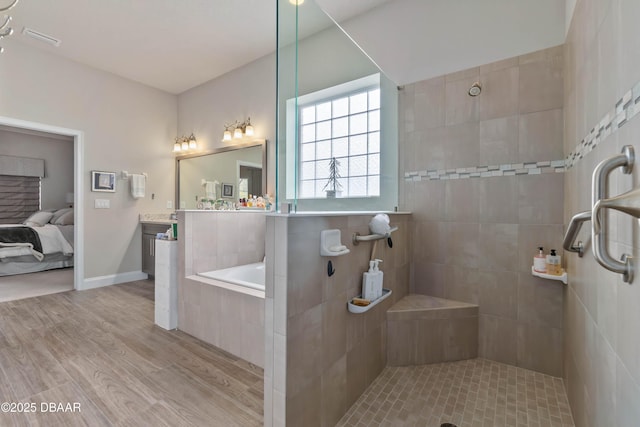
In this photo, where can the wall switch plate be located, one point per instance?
(169, 204)
(102, 203)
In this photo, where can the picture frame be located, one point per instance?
(227, 190)
(103, 181)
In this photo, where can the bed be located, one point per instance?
(43, 242)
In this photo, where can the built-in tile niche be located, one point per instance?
(320, 358)
(483, 177)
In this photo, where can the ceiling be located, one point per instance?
(174, 45)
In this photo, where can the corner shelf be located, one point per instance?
(563, 278)
(357, 309)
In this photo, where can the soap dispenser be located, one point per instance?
(540, 261)
(379, 277)
(369, 283)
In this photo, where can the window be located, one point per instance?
(19, 198)
(344, 127)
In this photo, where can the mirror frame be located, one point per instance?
(255, 143)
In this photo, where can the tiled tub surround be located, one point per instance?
(225, 315)
(475, 238)
(319, 357)
(423, 329)
(602, 350)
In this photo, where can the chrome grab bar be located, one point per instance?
(572, 232)
(599, 224)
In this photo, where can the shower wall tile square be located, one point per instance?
(500, 93)
(334, 392)
(461, 203)
(462, 145)
(539, 301)
(541, 199)
(498, 199)
(541, 84)
(429, 101)
(499, 244)
(460, 108)
(462, 284)
(463, 245)
(498, 339)
(499, 141)
(541, 136)
(540, 349)
(498, 294)
(428, 278)
(499, 65)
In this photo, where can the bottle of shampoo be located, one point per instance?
(379, 277)
(369, 283)
(540, 261)
(554, 264)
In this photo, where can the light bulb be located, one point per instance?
(184, 145)
(237, 133)
(248, 130)
(192, 142)
(226, 136)
(176, 147)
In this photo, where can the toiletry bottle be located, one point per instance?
(540, 261)
(554, 264)
(379, 277)
(368, 283)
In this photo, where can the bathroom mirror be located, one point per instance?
(227, 173)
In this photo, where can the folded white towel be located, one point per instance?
(138, 184)
(210, 190)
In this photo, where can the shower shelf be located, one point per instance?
(357, 309)
(563, 278)
(357, 238)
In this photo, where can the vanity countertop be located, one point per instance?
(157, 219)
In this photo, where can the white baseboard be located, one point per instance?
(112, 279)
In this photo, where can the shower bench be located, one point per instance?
(422, 329)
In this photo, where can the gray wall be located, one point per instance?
(127, 126)
(602, 354)
(57, 153)
(475, 238)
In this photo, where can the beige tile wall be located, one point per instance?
(475, 238)
(602, 354)
(319, 357)
(213, 240)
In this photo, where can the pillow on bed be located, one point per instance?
(58, 213)
(38, 219)
(64, 219)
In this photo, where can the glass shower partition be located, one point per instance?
(337, 137)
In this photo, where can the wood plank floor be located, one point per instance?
(100, 348)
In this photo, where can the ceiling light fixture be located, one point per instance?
(183, 144)
(237, 130)
(5, 30)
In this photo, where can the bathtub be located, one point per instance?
(250, 275)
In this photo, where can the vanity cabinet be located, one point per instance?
(149, 232)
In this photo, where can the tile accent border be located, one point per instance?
(510, 169)
(624, 110)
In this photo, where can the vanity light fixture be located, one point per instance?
(183, 144)
(237, 130)
(5, 30)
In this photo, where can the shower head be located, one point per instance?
(475, 89)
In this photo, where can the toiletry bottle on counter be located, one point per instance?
(379, 277)
(540, 261)
(369, 283)
(554, 264)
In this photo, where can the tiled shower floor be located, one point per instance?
(469, 393)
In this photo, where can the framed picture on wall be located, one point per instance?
(103, 181)
(227, 190)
